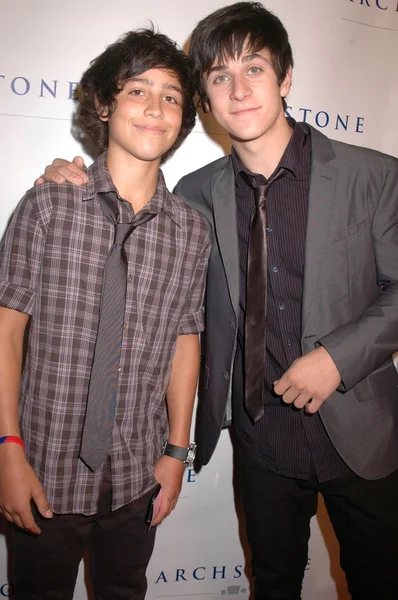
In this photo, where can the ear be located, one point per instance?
(205, 104)
(287, 83)
(101, 111)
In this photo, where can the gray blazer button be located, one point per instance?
(232, 325)
(226, 375)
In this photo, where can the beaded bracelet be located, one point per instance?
(12, 438)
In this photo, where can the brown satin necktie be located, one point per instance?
(256, 308)
(256, 304)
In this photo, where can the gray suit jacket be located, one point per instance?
(350, 297)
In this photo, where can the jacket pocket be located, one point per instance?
(381, 381)
(343, 234)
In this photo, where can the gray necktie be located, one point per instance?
(101, 403)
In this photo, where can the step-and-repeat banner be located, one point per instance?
(345, 84)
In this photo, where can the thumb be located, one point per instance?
(79, 162)
(41, 502)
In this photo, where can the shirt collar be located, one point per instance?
(100, 180)
(291, 159)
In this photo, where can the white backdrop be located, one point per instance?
(345, 84)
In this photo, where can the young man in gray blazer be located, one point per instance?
(301, 314)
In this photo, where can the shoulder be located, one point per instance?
(354, 159)
(196, 179)
(362, 157)
(189, 218)
(50, 195)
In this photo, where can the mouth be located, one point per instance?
(244, 111)
(150, 129)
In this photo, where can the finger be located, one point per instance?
(42, 504)
(17, 521)
(312, 406)
(68, 170)
(39, 181)
(281, 386)
(171, 502)
(290, 395)
(302, 400)
(79, 162)
(164, 510)
(28, 521)
(8, 515)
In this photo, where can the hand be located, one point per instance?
(309, 381)
(62, 170)
(168, 472)
(18, 486)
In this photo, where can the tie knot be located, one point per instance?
(122, 232)
(260, 193)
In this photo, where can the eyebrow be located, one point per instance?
(151, 83)
(245, 58)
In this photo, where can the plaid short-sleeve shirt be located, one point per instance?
(51, 266)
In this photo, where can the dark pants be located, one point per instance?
(119, 546)
(364, 515)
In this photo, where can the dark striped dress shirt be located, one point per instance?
(285, 440)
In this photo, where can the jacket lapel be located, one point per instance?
(320, 205)
(224, 204)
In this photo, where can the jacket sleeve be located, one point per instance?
(360, 346)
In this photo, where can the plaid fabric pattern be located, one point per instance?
(51, 266)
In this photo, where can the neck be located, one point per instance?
(135, 180)
(263, 154)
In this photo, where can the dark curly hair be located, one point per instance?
(225, 32)
(134, 53)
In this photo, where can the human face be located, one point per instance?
(148, 115)
(245, 97)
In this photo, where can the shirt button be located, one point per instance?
(269, 229)
(130, 278)
(275, 269)
(120, 369)
(232, 325)
(124, 325)
(226, 375)
(282, 307)
(289, 343)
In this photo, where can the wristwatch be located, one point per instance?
(186, 455)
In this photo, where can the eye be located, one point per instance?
(171, 99)
(136, 92)
(254, 70)
(221, 79)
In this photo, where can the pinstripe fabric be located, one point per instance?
(51, 266)
(285, 440)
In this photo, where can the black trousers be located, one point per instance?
(119, 546)
(364, 515)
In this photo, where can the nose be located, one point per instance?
(154, 107)
(240, 88)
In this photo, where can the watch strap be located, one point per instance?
(178, 452)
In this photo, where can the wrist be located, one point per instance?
(12, 439)
(185, 454)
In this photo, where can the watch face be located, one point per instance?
(191, 454)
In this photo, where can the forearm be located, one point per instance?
(12, 328)
(180, 395)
